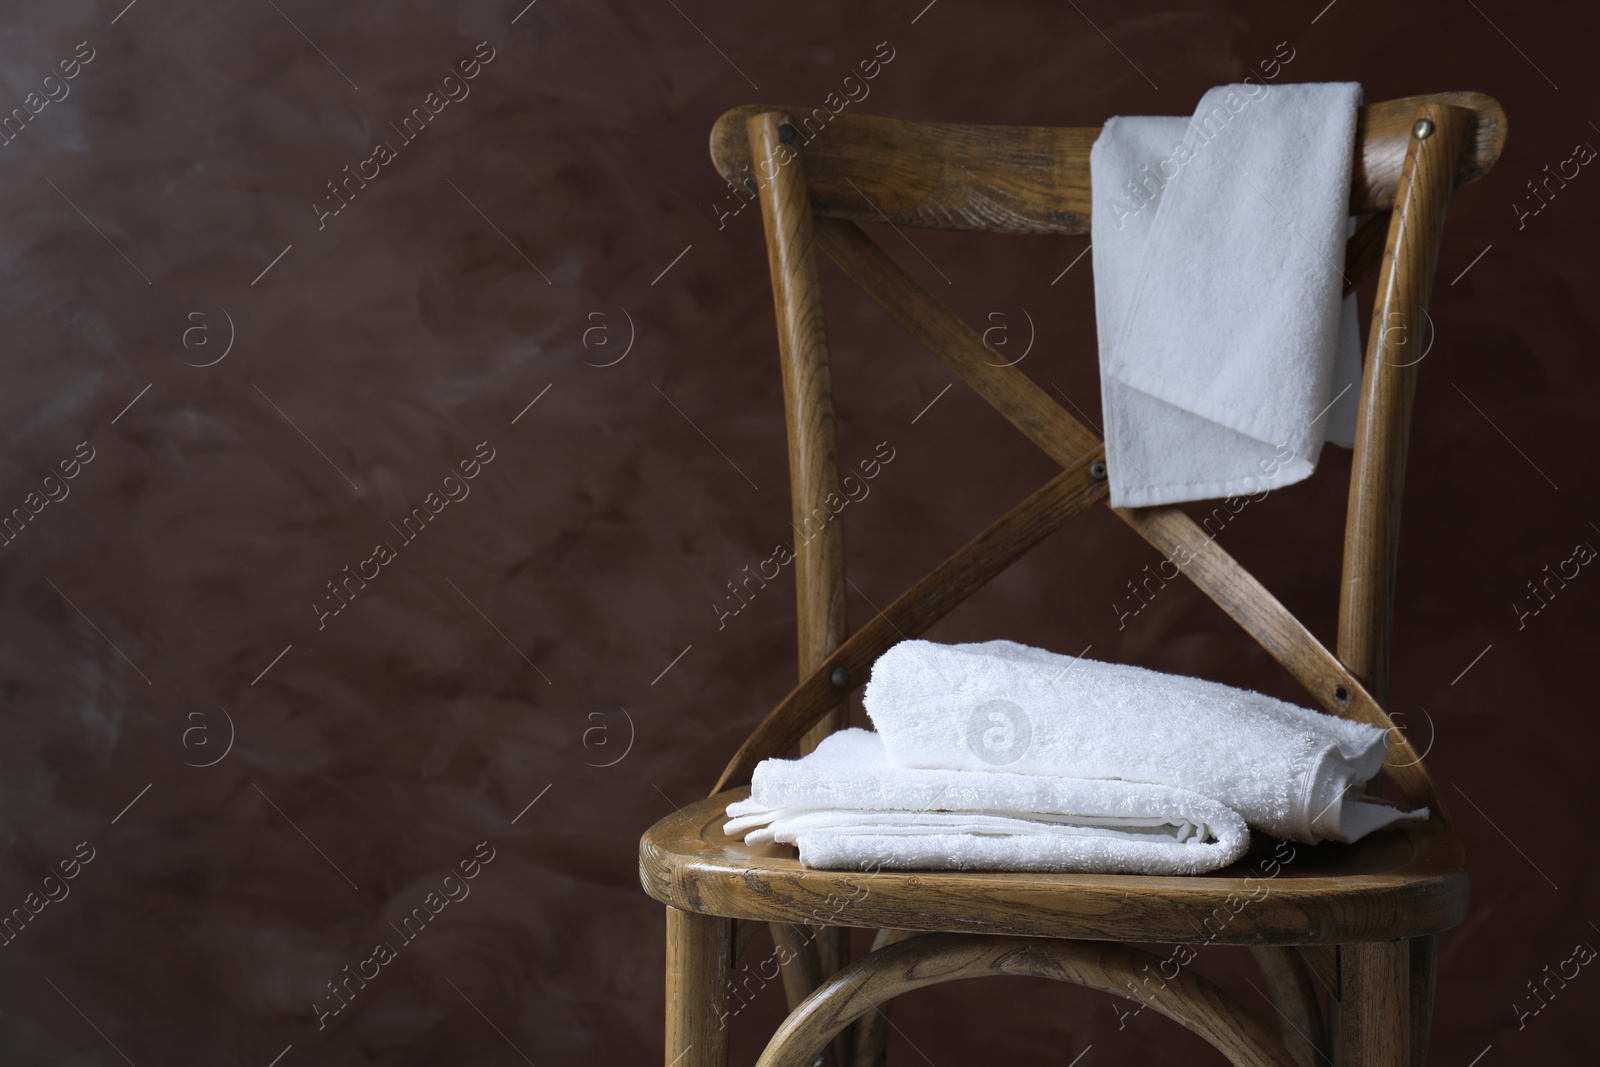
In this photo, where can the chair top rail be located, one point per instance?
(1030, 179)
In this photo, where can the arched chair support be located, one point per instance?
(1285, 974)
(929, 959)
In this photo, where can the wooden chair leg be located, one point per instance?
(1296, 1001)
(1375, 1008)
(797, 961)
(699, 953)
(744, 932)
(833, 952)
(872, 1030)
(1424, 966)
(806, 958)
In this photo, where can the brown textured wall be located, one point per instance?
(300, 779)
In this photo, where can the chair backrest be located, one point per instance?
(815, 177)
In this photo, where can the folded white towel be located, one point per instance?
(847, 808)
(1218, 265)
(1291, 771)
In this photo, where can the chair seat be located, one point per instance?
(1406, 881)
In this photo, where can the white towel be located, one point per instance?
(847, 808)
(1291, 771)
(1225, 358)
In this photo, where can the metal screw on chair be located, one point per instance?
(840, 677)
(1423, 129)
(1097, 470)
(786, 133)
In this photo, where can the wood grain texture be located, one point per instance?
(1007, 389)
(699, 951)
(1406, 881)
(1295, 998)
(1031, 179)
(930, 599)
(1424, 972)
(1275, 628)
(1323, 960)
(872, 1029)
(919, 962)
(800, 967)
(1364, 250)
(1065, 440)
(808, 404)
(820, 605)
(1389, 376)
(1375, 1008)
(1395, 349)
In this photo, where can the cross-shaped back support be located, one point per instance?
(812, 183)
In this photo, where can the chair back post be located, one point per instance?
(808, 402)
(813, 475)
(1395, 349)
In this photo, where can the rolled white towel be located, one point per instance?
(998, 705)
(847, 808)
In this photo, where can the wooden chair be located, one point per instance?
(1361, 920)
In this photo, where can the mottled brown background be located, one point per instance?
(460, 684)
